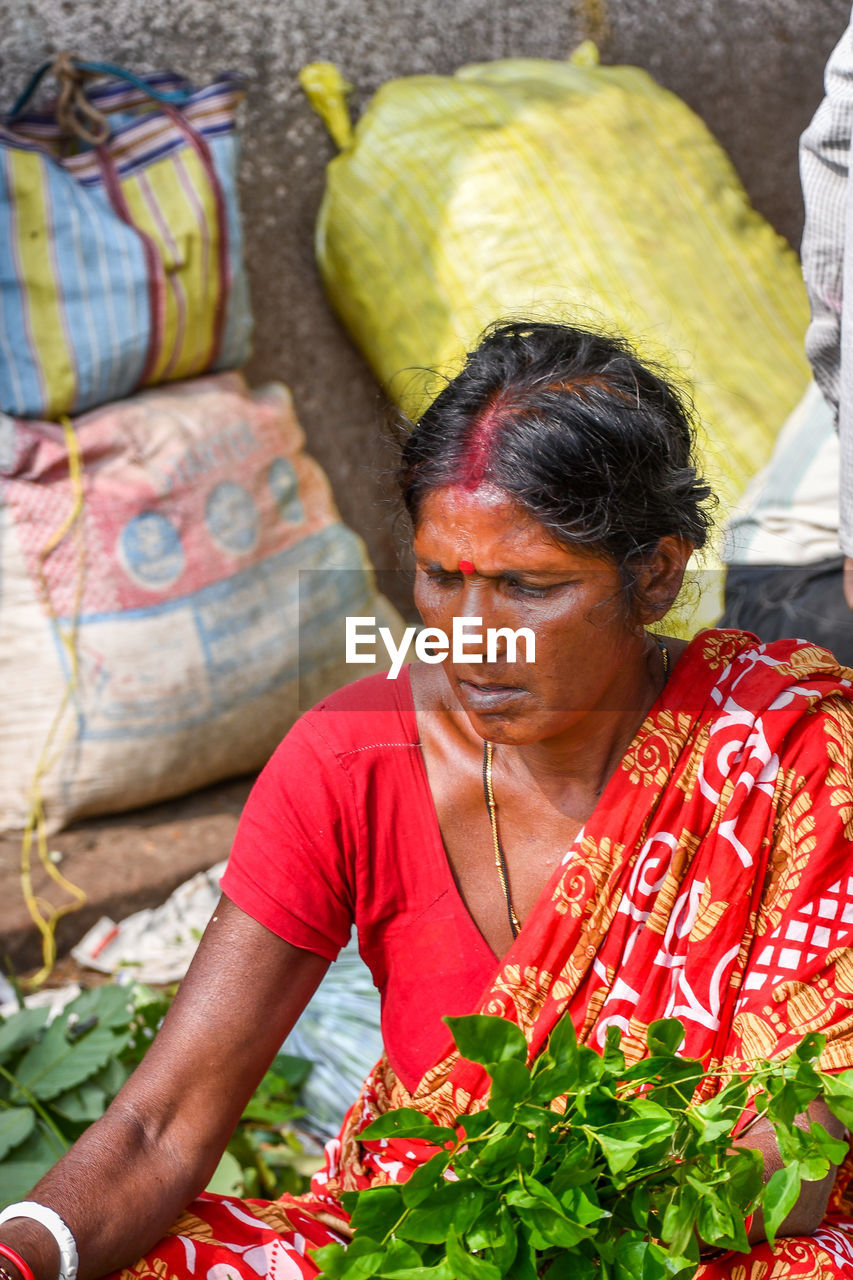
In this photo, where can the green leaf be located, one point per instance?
(525, 1265)
(467, 1266)
(17, 1177)
(565, 1067)
(227, 1177)
(578, 1205)
(469, 1206)
(715, 1220)
(835, 1149)
(442, 1271)
(400, 1256)
(295, 1071)
(623, 1142)
(424, 1179)
(665, 1069)
(780, 1196)
(497, 1233)
(563, 1043)
(790, 1098)
(664, 1036)
(716, 1117)
(16, 1125)
(28, 1162)
(510, 1086)
(433, 1219)
(631, 1258)
(647, 1117)
(84, 1104)
(112, 1005)
(111, 1077)
(644, 1259)
(485, 1039)
(572, 1266)
(361, 1260)
(331, 1259)
(810, 1149)
(744, 1177)
(550, 1221)
(474, 1126)
(809, 1048)
(679, 1220)
(530, 1192)
(406, 1122)
(21, 1029)
(272, 1113)
(54, 1065)
(498, 1155)
(378, 1210)
(639, 1205)
(618, 1153)
(590, 1068)
(837, 1093)
(614, 1058)
(549, 1228)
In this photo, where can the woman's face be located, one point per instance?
(588, 650)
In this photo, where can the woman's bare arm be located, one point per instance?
(126, 1180)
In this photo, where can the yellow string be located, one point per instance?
(43, 914)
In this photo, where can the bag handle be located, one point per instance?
(74, 110)
(78, 115)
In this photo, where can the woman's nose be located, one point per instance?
(481, 599)
(476, 597)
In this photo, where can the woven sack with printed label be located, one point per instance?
(174, 584)
(121, 258)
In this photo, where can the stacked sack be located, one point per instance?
(174, 575)
(564, 191)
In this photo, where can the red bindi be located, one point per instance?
(465, 566)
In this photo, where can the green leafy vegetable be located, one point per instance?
(56, 1079)
(580, 1168)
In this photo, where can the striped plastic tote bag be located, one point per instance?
(120, 242)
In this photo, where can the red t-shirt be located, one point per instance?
(340, 828)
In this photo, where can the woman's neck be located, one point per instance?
(574, 766)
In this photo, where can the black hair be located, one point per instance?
(592, 442)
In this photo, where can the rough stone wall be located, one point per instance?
(751, 68)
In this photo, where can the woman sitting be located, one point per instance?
(622, 828)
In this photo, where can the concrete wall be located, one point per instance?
(751, 68)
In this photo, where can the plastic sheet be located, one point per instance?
(338, 1032)
(572, 191)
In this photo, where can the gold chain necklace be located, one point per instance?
(500, 859)
(488, 790)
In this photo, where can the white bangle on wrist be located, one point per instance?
(48, 1218)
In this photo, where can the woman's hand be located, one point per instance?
(810, 1208)
(125, 1181)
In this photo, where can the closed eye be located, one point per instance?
(529, 590)
(442, 577)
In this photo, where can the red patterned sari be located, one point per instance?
(711, 884)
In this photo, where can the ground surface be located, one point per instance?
(122, 863)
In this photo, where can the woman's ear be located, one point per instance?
(660, 576)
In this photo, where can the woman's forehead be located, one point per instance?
(491, 530)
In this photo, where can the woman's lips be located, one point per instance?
(489, 697)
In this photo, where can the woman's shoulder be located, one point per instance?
(375, 711)
(740, 656)
(333, 757)
(732, 678)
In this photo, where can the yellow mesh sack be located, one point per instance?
(561, 190)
